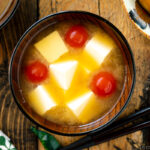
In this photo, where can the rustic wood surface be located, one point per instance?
(12, 121)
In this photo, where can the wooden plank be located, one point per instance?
(12, 121)
(140, 47)
(115, 13)
(47, 7)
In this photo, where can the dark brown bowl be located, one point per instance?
(8, 12)
(109, 117)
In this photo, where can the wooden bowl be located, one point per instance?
(8, 8)
(108, 117)
(139, 16)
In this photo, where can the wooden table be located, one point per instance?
(13, 122)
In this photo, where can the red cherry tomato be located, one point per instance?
(76, 36)
(103, 84)
(36, 72)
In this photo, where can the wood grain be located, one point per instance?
(47, 7)
(138, 42)
(110, 10)
(8, 9)
(140, 47)
(12, 121)
(62, 128)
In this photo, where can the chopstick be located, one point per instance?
(113, 135)
(114, 130)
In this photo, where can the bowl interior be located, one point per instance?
(108, 117)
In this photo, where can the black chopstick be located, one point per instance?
(125, 121)
(114, 135)
(110, 129)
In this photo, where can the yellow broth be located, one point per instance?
(98, 106)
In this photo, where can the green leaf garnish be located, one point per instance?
(49, 142)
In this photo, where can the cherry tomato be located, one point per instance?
(36, 72)
(103, 84)
(76, 36)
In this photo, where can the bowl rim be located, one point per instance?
(132, 84)
(130, 9)
(11, 14)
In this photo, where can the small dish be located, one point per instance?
(138, 16)
(120, 104)
(8, 8)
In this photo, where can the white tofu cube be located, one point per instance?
(63, 72)
(99, 47)
(87, 107)
(41, 100)
(51, 47)
(79, 104)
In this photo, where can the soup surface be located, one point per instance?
(72, 73)
(4, 5)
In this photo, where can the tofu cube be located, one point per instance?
(63, 72)
(51, 47)
(96, 50)
(99, 47)
(80, 106)
(41, 100)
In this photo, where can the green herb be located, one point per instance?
(49, 142)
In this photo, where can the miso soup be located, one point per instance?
(72, 73)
